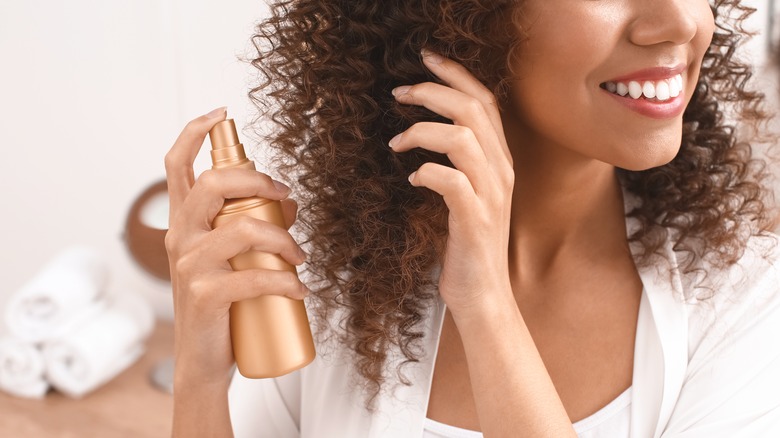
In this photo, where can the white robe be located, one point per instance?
(708, 368)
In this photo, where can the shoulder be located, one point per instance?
(758, 269)
(731, 380)
(735, 312)
(753, 279)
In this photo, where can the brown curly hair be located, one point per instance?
(326, 71)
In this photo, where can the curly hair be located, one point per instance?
(325, 74)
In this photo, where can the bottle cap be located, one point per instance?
(224, 134)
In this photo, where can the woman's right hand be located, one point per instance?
(204, 284)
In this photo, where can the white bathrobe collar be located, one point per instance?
(661, 348)
(661, 344)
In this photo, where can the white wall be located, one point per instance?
(756, 47)
(93, 94)
(767, 76)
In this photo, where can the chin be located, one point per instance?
(655, 159)
(656, 151)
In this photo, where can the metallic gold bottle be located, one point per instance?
(270, 334)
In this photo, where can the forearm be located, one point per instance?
(201, 411)
(512, 390)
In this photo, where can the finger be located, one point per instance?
(461, 108)
(181, 156)
(245, 233)
(451, 184)
(208, 194)
(232, 286)
(458, 77)
(289, 211)
(458, 142)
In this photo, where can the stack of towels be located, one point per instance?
(66, 332)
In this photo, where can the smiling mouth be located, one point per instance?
(657, 91)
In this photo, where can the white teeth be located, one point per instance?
(661, 90)
(634, 90)
(674, 88)
(648, 89)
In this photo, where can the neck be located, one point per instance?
(565, 207)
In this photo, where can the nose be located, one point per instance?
(665, 21)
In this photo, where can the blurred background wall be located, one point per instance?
(93, 95)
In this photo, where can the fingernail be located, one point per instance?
(301, 254)
(399, 91)
(411, 177)
(281, 187)
(394, 141)
(217, 112)
(434, 58)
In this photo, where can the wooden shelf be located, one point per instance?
(127, 406)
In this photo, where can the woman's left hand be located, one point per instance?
(478, 191)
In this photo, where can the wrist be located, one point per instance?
(194, 378)
(200, 410)
(193, 383)
(498, 305)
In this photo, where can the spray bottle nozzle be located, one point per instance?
(224, 134)
(226, 149)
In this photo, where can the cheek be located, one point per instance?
(562, 49)
(585, 123)
(554, 88)
(564, 46)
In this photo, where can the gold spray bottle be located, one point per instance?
(271, 335)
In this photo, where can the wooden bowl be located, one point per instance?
(144, 235)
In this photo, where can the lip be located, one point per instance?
(665, 110)
(651, 74)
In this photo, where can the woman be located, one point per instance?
(590, 258)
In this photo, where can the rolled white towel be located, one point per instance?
(54, 300)
(98, 350)
(21, 369)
